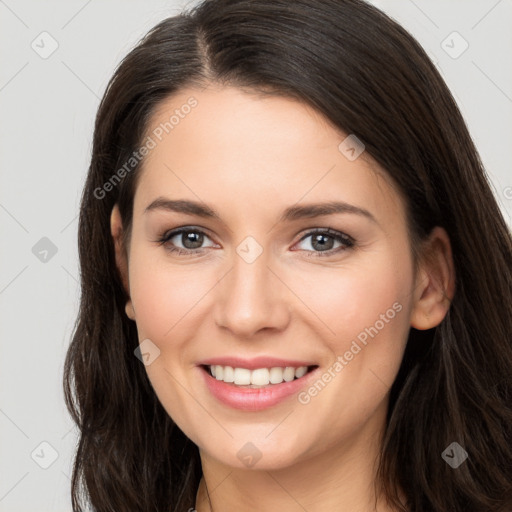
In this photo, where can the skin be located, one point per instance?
(230, 152)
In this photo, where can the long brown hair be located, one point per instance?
(369, 77)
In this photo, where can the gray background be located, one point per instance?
(47, 110)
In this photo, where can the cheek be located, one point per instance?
(349, 299)
(167, 297)
(364, 312)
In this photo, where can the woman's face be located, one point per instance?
(254, 280)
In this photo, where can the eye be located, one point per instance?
(191, 238)
(323, 240)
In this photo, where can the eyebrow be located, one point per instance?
(292, 213)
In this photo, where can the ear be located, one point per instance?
(116, 229)
(435, 282)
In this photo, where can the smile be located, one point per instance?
(256, 389)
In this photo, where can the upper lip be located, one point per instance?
(254, 363)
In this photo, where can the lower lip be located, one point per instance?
(254, 399)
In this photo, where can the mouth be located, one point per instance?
(258, 388)
(257, 378)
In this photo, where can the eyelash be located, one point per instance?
(348, 241)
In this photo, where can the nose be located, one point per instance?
(252, 298)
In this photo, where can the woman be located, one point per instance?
(296, 282)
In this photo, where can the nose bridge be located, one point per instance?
(250, 297)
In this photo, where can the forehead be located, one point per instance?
(257, 151)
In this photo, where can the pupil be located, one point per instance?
(195, 239)
(323, 245)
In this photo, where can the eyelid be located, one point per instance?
(326, 231)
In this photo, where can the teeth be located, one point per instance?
(276, 375)
(289, 374)
(259, 377)
(301, 371)
(242, 376)
(229, 374)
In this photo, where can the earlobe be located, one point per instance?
(130, 312)
(435, 283)
(116, 229)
